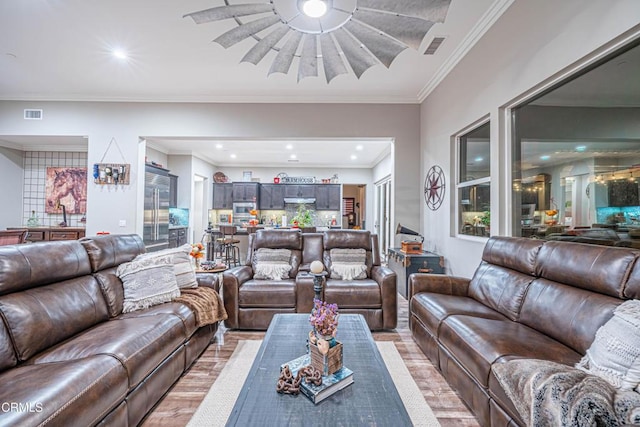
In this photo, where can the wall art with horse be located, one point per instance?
(68, 187)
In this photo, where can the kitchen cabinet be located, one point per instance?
(328, 197)
(245, 191)
(299, 190)
(173, 191)
(223, 196)
(271, 197)
(177, 237)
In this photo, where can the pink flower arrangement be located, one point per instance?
(324, 318)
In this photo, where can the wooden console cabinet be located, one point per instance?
(46, 234)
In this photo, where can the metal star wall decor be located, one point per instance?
(434, 186)
(362, 32)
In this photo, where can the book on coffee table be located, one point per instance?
(330, 384)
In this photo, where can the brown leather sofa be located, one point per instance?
(527, 299)
(251, 303)
(68, 356)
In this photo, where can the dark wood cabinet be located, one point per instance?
(223, 196)
(177, 237)
(45, 234)
(245, 191)
(300, 190)
(271, 197)
(404, 265)
(173, 191)
(328, 197)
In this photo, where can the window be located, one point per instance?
(474, 182)
(576, 156)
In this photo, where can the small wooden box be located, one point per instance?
(409, 247)
(328, 363)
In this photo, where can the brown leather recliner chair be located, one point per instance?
(250, 302)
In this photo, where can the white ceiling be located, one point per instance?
(62, 50)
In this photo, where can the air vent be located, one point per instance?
(293, 160)
(31, 114)
(434, 45)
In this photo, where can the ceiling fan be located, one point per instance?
(364, 32)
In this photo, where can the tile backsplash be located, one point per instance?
(35, 171)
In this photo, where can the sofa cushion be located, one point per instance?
(111, 250)
(478, 343)
(513, 253)
(272, 293)
(278, 239)
(182, 265)
(181, 311)
(147, 282)
(348, 264)
(553, 309)
(615, 353)
(79, 392)
(500, 288)
(139, 343)
(364, 293)
(8, 357)
(431, 309)
(595, 268)
(112, 289)
(28, 266)
(272, 264)
(42, 317)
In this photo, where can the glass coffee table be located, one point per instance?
(372, 399)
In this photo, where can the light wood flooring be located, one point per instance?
(177, 407)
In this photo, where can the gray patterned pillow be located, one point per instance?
(615, 353)
(273, 264)
(182, 265)
(348, 264)
(147, 282)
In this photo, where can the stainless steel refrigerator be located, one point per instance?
(156, 209)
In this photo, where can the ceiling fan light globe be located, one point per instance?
(314, 8)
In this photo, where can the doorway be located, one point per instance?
(382, 215)
(354, 206)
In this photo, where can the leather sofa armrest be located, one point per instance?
(231, 281)
(387, 280)
(437, 283)
(304, 292)
(210, 280)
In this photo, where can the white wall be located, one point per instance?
(531, 42)
(12, 173)
(129, 122)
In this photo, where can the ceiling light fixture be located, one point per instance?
(354, 157)
(351, 35)
(219, 146)
(120, 54)
(233, 156)
(359, 147)
(314, 8)
(289, 147)
(293, 156)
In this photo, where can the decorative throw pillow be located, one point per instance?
(147, 282)
(273, 264)
(182, 265)
(348, 264)
(615, 353)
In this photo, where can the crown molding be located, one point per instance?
(496, 10)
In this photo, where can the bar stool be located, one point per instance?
(228, 244)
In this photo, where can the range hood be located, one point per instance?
(300, 200)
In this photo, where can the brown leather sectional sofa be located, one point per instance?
(527, 299)
(68, 356)
(251, 303)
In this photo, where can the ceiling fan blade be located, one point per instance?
(408, 30)
(383, 47)
(429, 10)
(257, 52)
(308, 66)
(331, 59)
(243, 31)
(225, 12)
(359, 59)
(283, 60)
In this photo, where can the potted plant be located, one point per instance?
(303, 217)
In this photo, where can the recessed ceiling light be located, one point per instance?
(545, 157)
(289, 147)
(359, 147)
(233, 156)
(478, 159)
(293, 156)
(354, 157)
(314, 8)
(219, 146)
(120, 54)
(581, 148)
